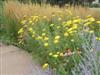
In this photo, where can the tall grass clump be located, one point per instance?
(1, 13)
(9, 25)
(20, 9)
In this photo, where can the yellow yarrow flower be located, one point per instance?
(43, 34)
(46, 38)
(58, 52)
(98, 22)
(45, 65)
(46, 44)
(69, 22)
(66, 34)
(75, 26)
(70, 29)
(33, 35)
(33, 32)
(30, 29)
(61, 54)
(30, 22)
(91, 19)
(56, 41)
(76, 21)
(55, 55)
(21, 31)
(71, 32)
(87, 23)
(39, 38)
(23, 21)
(57, 37)
(97, 38)
(91, 31)
(50, 54)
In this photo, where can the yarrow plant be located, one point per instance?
(57, 41)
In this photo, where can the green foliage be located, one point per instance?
(63, 41)
(8, 26)
(60, 40)
(89, 64)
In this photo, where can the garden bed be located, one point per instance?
(62, 40)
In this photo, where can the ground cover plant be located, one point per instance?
(62, 39)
